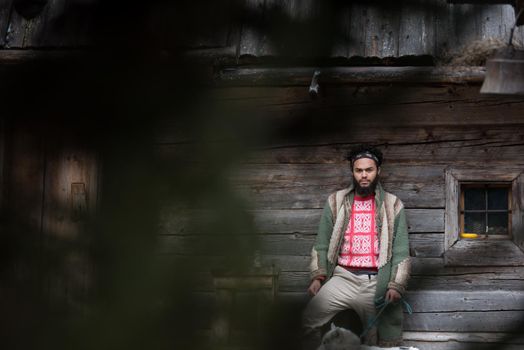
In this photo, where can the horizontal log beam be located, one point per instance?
(483, 2)
(301, 76)
(9, 57)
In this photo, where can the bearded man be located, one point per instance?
(361, 255)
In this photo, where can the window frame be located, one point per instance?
(485, 185)
(455, 177)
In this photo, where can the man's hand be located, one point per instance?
(314, 287)
(392, 296)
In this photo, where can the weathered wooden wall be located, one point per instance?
(422, 130)
(374, 28)
(50, 190)
(261, 28)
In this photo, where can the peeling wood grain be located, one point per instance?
(351, 75)
(417, 28)
(383, 22)
(281, 186)
(304, 221)
(499, 321)
(253, 39)
(426, 245)
(484, 253)
(453, 345)
(5, 14)
(409, 28)
(451, 301)
(342, 40)
(291, 281)
(473, 337)
(357, 30)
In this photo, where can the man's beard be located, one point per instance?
(365, 191)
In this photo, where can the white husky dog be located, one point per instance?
(343, 339)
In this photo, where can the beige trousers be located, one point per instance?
(344, 290)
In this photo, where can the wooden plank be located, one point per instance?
(61, 24)
(3, 163)
(484, 253)
(426, 245)
(287, 244)
(482, 174)
(28, 33)
(417, 28)
(417, 114)
(300, 186)
(296, 281)
(248, 282)
(473, 337)
(517, 217)
(306, 220)
(351, 75)
(355, 95)
(70, 202)
(452, 345)
(490, 22)
(314, 196)
(253, 39)
(204, 263)
(490, 321)
(442, 301)
(208, 27)
(421, 269)
(460, 152)
(342, 40)
(450, 301)
(451, 217)
(10, 57)
(433, 145)
(358, 28)
(463, 21)
(303, 221)
(422, 245)
(436, 267)
(71, 191)
(5, 13)
(291, 175)
(508, 13)
(287, 221)
(382, 30)
(466, 283)
(26, 180)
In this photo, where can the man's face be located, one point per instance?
(365, 173)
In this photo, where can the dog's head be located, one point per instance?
(339, 339)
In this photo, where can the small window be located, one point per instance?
(485, 209)
(488, 201)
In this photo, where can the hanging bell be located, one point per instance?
(505, 72)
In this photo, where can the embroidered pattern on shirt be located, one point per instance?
(360, 246)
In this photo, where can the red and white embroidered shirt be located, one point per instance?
(360, 247)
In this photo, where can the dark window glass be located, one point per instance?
(497, 199)
(475, 223)
(498, 223)
(486, 209)
(475, 199)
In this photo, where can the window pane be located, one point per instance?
(475, 223)
(498, 198)
(498, 223)
(474, 199)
